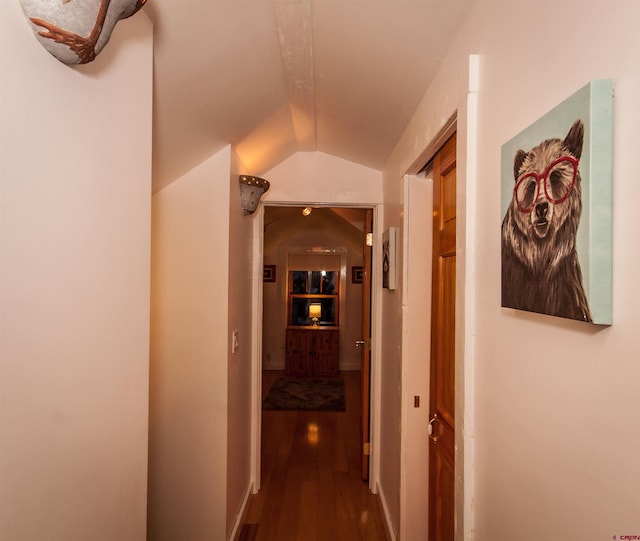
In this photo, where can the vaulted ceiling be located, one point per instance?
(273, 77)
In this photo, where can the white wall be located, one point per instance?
(75, 183)
(189, 396)
(240, 369)
(315, 177)
(556, 401)
(388, 483)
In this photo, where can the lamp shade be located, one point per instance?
(315, 310)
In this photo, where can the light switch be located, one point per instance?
(235, 341)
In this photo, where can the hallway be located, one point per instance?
(311, 486)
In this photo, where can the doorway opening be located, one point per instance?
(290, 234)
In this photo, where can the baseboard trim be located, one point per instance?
(391, 536)
(347, 367)
(350, 367)
(273, 366)
(237, 525)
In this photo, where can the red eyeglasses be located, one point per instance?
(559, 179)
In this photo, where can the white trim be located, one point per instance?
(376, 348)
(447, 130)
(237, 523)
(256, 350)
(350, 367)
(466, 383)
(416, 336)
(391, 535)
(403, 520)
(466, 158)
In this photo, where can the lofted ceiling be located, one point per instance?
(274, 77)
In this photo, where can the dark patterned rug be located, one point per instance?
(312, 394)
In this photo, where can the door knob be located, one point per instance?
(430, 429)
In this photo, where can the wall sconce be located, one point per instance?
(81, 29)
(315, 311)
(251, 189)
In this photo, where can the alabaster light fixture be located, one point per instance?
(315, 311)
(251, 190)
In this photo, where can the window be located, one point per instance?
(313, 287)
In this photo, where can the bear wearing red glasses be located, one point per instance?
(540, 268)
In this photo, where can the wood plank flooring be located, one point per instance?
(311, 485)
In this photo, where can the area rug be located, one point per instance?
(311, 394)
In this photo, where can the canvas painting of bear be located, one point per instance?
(556, 204)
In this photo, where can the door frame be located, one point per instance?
(256, 335)
(463, 121)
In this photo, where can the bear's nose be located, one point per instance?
(541, 209)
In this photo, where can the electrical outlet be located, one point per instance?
(235, 341)
(416, 401)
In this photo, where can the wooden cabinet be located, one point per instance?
(312, 332)
(312, 352)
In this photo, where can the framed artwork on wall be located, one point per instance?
(269, 273)
(556, 209)
(389, 258)
(356, 275)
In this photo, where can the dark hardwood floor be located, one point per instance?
(311, 485)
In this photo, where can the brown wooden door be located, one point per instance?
(365, 369)
(442, 384)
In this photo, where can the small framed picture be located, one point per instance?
(356, 275)
(389, 258)
(269, 273)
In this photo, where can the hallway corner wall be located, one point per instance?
(189, 354)
(240, 369)
(75, 185)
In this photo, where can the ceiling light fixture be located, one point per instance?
(306, 211)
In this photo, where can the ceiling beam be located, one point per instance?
(295, 34)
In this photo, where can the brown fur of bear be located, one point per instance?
(540, 267)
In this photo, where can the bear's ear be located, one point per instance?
(573, 141)
(517, 163)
